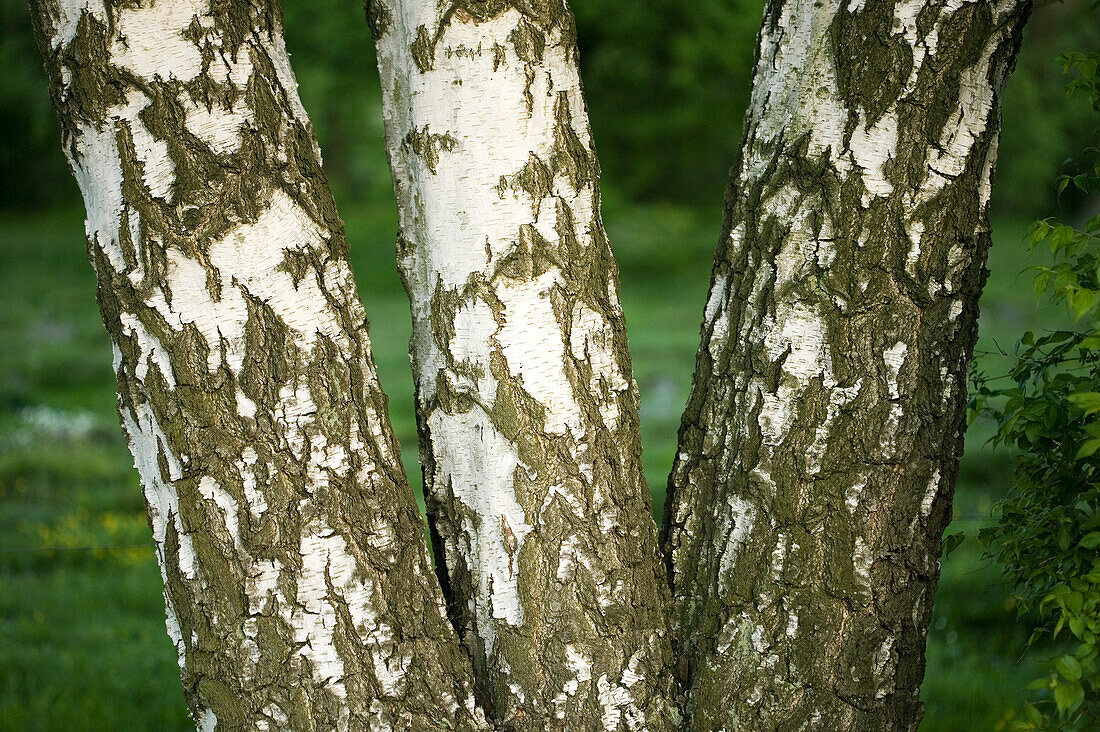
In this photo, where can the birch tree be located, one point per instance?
(819, 447)
(526, 403)
(297, 583)
(818, 450)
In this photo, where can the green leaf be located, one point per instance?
(1069, 667)
(1060, 236)
(1081, 300)
(1091, 540)
(1087, 449)
(1040, 284)
(1091, 342)
(1077, 626)
(1038, 232)
(951, 543)
(1068, 697)
(1086, 400)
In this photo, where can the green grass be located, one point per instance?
(82, 640)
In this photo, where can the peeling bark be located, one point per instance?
(298, 587)
(819, 447)
(527, 406)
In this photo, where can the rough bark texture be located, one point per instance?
(526, 400)
(298, 588)
(819, 448)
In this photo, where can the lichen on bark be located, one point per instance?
(819, 446)
(297, 583)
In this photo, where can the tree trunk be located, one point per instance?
(297, 582)
(819, 447)
(527, 406)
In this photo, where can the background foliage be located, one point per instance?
(1047, 537)
(667, 83)
(82, 641)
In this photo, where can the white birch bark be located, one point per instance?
(297, 583)
(526, 400)
(819, 448)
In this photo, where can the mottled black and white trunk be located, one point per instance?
(298, 588)
(818, 451)
(526, 401)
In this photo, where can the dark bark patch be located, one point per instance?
(872, 62)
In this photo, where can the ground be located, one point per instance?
(82, 638)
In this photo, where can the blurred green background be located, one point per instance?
(82, 639)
